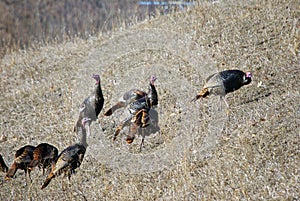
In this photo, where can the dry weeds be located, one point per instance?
(202, 152)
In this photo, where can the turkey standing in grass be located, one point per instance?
(224, 82)
(43, 156)
(71, 157)
(139, 114)
(23, 158)
(134, 95)
(92, 105)
(3, 166)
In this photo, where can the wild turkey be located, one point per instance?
(134, 95)
(71, 157)
(43, 156)
(23, 158)
(224, 82)
(92, 105)
(139, 114)
(3, 166)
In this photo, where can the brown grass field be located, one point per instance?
(201, 151)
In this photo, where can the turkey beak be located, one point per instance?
(96, 77)
(153, 79)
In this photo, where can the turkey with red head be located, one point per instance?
(71, 157)
(224, 82)
(23, 158)
(43, 156)
(92, 105)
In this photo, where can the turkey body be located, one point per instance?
(224, 82)
(70, 158)
(23, 158)
(139, 113)
(67, 161)
(43, 156)
(92, 105)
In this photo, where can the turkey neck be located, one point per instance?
(82, 135)
(153, 94)
(98, 91)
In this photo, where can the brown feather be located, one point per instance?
(145, 119)
(43, 155)
(48, 179)
(203, 93)
(23, 157)
(11, 171)
(132, 131)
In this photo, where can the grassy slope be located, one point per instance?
(257, 156)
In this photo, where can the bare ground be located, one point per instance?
(201, 151)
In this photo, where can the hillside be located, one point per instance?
(202, 151)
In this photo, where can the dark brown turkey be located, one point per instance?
(71, 157)
(23, 158)
(43, 156)
(134, 95)
(92, 105)
(3, 166)
(139, 114)
(224, 82)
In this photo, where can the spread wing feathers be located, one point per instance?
(129, 97)
(133, 95)
(114, 108)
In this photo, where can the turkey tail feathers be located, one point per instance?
(47, 181)
(203, 93)
(11, 171)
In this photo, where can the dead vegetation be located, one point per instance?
(201, 152)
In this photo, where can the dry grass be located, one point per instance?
(202, 152)
(33, 23)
